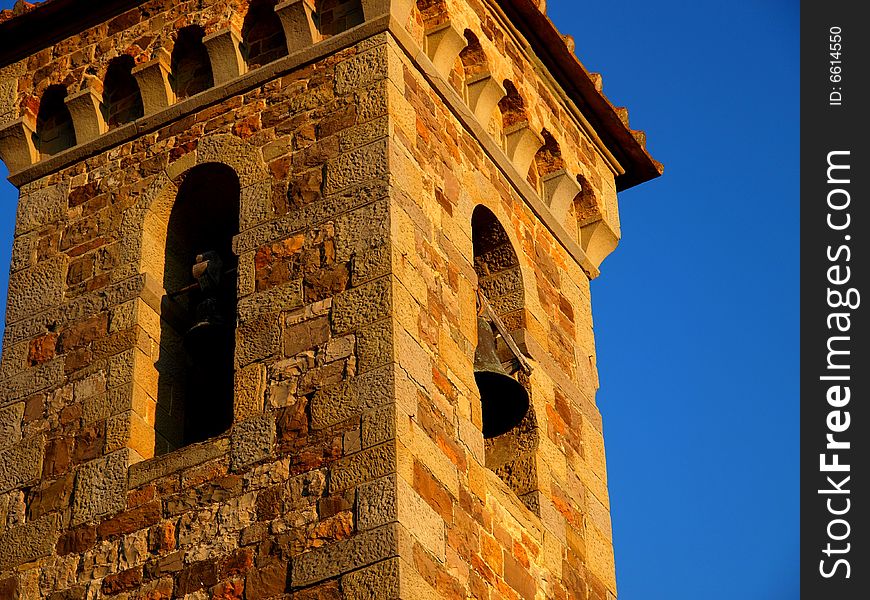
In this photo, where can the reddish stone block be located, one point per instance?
(138, 497)
(305, 188)
(306, 335)
(269, 503)
(70, 414)
(9, 588)
(130, 521)
(82, 193)
(207, 472)
(80, 270)
(435, 494)
(333, 505)
(34, 408)
(198, 576)
(76, 540)
(328, 531)
(51, 497)
(267, 582)
(89, 443)
(122, 582)
(325, 283)
(327, 591)
(74, 593)
(42, 349)
(83, 333)
(125, 21)
(292, 426)
(77, 359)
(157, 590)
(247, 127)
(166, 565)
(228, 590)
(58, 453)
(161, 538)
(236, 564)
(518, 577)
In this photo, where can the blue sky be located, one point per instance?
(696, 313)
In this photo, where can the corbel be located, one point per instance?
(444, 42)
(297, 18)
(521, 144)
(153, 80)
(560, 189)
(225, 55)
(17, 149)
(597, 239)
(484, 93)
(85, 108)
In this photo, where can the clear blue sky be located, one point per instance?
(696, 313)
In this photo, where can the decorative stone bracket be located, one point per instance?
(443, 45)
(87, 116)
(521, 144)
(484, 93)
(225, 55)
(17, 149)
(297, 18)
(153, 80)
(560, 189)
(597, 239)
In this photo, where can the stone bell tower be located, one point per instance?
(253, 241)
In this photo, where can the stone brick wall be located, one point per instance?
(355, 466)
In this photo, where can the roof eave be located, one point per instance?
(551, 48)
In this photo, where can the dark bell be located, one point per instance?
(505, 401)
(208, 329)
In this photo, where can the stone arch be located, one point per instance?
(472, 58)
(190, 64)
(510, 455)
(521, 142)
(54, 125)
(227, 149)
(433, 13)
(548, 160)
(498, 268)
(335, 16)
(122, 100)
(585, 206)
(144, 239)
(482, 91)
(512, 106)
(186, 218)
(262, 34)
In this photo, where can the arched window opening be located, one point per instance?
(191, 67)
(547, 160)
(472, 62)
(512, 106)
(335, 16)
(262, 34)
(122, 102)
(586, 206)
(197, 345)
(511, 453)
(433, 13)
(473, 57)
(54, 126)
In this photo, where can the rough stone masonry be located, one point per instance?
(370, 165)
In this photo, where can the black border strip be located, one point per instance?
(835, 225)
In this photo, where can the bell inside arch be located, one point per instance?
(504, 399)
(209, 326)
